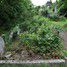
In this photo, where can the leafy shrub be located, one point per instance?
(65, 52)
(6, 38)
(63, 7)
(44, 13)
(8, 41)
(62, 18)
(43, 39)
(13, 12)
(54, 17)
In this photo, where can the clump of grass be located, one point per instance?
(33, 65)
(65, 52)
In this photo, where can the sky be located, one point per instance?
(40, 2)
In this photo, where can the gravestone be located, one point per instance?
(2, 45)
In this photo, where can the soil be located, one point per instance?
(22, 54)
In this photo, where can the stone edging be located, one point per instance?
(32, 62)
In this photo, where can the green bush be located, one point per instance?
(65, 53)
(54, 17)
(14, 12)
(43, 39)
(44, 13)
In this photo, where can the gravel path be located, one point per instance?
(64, 37)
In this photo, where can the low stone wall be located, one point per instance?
(34, 63)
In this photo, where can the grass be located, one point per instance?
(32, 65)
(65, 52)
(61, 22)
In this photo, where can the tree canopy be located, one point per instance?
(13, 12)
(63, 7)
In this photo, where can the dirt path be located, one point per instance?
(64, 36)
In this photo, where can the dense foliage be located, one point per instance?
(63, 7)
(13, 12)
(42, 38)
(36, 32)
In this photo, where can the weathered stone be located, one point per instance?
(8, 55)
(17, 57)
(2, 45)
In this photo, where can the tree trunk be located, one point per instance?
(55, 8)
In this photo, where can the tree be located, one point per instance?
(13, 12)
(63, 7)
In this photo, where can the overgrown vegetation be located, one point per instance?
(14, 12)
(39, 28)
(43, 38)
(33, 65)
